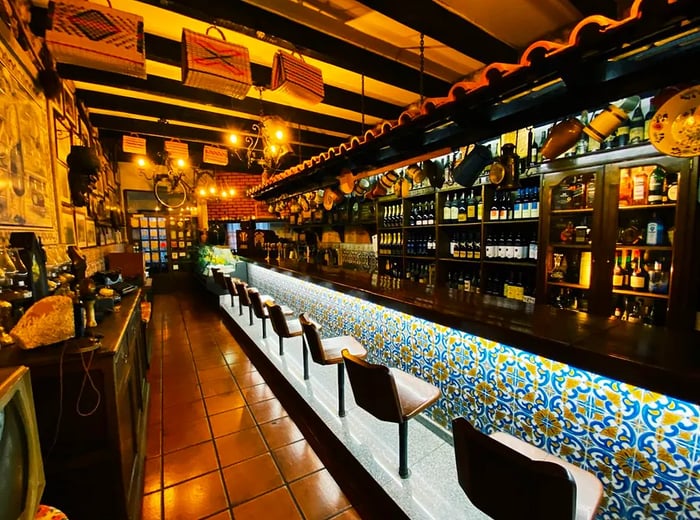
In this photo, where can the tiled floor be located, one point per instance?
(220, 445)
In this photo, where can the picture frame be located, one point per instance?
(91, 233)
(67, 223)
(81, 229)
(70, 110)
(62, 186)
(62, 136)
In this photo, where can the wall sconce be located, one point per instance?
(266, 147)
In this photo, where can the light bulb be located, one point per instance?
(233, 138)
(232, 192)
(273, 149)
(181, 163)
(202, 192)
(212, 189)
(141, 162)
(279, 134)
(224, 194)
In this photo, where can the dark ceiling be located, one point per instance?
(368, 50)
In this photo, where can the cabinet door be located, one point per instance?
(573, 237)
(129, 408)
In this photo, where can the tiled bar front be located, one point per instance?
(644, 446)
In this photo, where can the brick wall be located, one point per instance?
(239, 206)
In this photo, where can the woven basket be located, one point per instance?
(94, 36)
(215, 64)
(297, 78)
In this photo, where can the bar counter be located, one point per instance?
(655, 358)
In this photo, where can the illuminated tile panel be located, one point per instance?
(645, 447)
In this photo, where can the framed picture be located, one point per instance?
(70, 110)
(62, 134)
(62, 186)
(81, 229)
(68, 235)
(91, 233)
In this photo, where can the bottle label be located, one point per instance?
(503, 214)
(490, 251)
(471, 212)
(454, 213)
(477, 254)
(494, 214)
(637, 134)
(518, 211)
(533, 251)
(637, 282)
(479, 211)
(653, 234)
(638, 190)
(526, 210)
(617, 280)
(534, 209)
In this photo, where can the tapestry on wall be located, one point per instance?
(26, 181)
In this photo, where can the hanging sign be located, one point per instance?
(177, 149)
(134, 144)
(215, 155)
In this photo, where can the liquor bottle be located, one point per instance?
(462, 209)
(525, 203)
(532, 248)
(655, 231)
(446, 209)
(656, 185)
(627, 272)
(476, 246)
(503, 207)
(647, 121)
(453, 245)
(582, 144)
(467, 286)
(501, 246)
(636, 135)
(640, 186)
(399, 219)
(413, 216)
(479, 206)
(535, 203)
(518, 205)
(431, 213)
(489, 250)
(618, 272)
(590, 193)
(495, 207)
(470, 247)
(454, 209)
(622, 135)
(463, 246)
(510, 246)
(639, 278)
(518, 247)
(625, 198)
(460, 281)
(471, 207)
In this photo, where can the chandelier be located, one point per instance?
(266, 146)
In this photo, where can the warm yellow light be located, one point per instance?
(202, 192)
(273, 149)
(279, 134)
(212, 189)
(232, 192)
(181, 163)
(141, 162)
(233, 138)
(224, 194)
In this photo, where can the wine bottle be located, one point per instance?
(640, 186)
(471, 207)
(462, 209)
(618, 272)
(622, 136)
(476, 245)
(636, 134)
(518, 205)
(535, 203)
(454, 209)
(494, 213)
(479, 207)
(446, 209)
(582, 144)
(655, 231)
(656, 185)
(639, 277)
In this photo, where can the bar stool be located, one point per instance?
(285, 328)
(231, 287)
(504, 476)
(243, 300)
(327, 352)
(218, 277)
(390, 395)
(257, 304)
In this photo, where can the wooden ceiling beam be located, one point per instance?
(278, 30)
(431, 19)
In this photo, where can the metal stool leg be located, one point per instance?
(240, 307)
(341, 389)
(281, 346)
(264, 329)
(404, 472)
(250, 313)
(305, 351)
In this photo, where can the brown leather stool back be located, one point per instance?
(504, 483)
(278, 320)
(257, 304)
(313, 339)
(242, 292)
(219, 278)
(374, 388)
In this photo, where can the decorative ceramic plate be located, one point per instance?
(675, 128)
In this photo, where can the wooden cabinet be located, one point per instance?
(92, 415)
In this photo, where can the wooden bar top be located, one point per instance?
(655, 358)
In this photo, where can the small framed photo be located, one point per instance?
(81, 229)
(91, 233)
(62, 134)
(67, 223)
(62, 186)
(70, 109)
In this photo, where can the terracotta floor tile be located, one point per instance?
(224, 515)
(189, 433)
(242, 368)
(181, 395)
(277, 504)
(249, 379)
(210, 361)
(173, 415)
(209, 374)
(214, 387)
(280, 432)
(240, 446)
(251, 478)
(151, 475)
(224, 402)
(150, 506)
(155, 409)
(234, 354)
(232, 421)
(188, 463)
(153, 441)
(266, 411)
(319, 496)
(196, 498)
(297, 460)
(348, 514)
(257, 393)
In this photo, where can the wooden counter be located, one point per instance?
(93, 439)
(656, 358)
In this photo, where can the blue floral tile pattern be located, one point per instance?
(644, 447)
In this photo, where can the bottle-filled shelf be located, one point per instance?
(577, 211)
(647, 207)
(568, 285)
(459, 260)
(621, 247)
(566, 245)
(513, 263)
(459, 224)
(513, 221)
(641, 294)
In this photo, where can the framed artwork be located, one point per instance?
(62, 135)
(62, 186)
(70, 110)
(67, 223)
(80, 229)
(84, 132)
(91, 233)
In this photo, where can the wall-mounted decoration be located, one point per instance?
(90, 233)
(26, 181)
(70, 110)
(62, 188)
(67, 226)
(291, 74)
(80, 229)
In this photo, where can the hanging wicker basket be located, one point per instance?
(215, 64)
(297, 78)
(98, 37)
